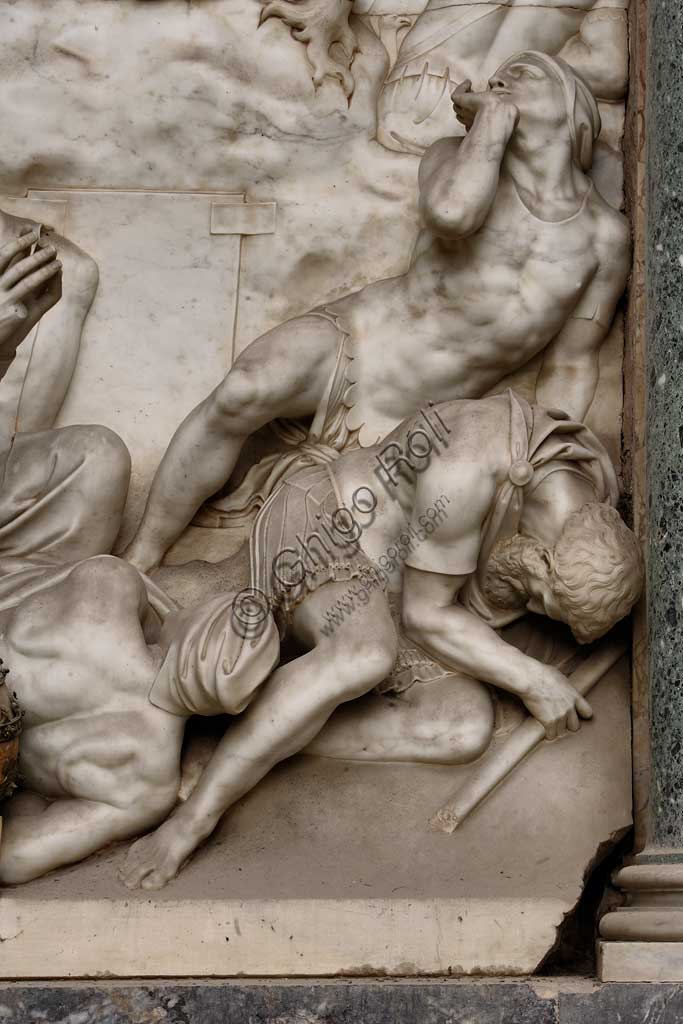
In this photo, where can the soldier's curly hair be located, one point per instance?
(597, 571)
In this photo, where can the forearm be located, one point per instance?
(457, 196)
(49, 367)
(465, 643)
(568, 386)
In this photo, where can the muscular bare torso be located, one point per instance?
(468, 471)
(478, 439)
(471, 311)
(82, 672)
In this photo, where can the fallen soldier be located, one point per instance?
(524, 257)
(530, 526)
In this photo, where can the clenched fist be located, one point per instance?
(554, 702)
(467, 105)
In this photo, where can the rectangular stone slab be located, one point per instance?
(640, 961)
(231, 938)
(159, 337)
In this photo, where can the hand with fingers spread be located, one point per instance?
(467, 105)
(30, 285)
(554, 702)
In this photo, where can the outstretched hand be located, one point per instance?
(30, 285)
(554, 702)
(467, 104)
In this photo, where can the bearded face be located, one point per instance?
(512, 563)
(590, 579)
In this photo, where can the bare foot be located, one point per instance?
(157, 858)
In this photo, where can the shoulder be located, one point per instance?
(475, 451)
(611, 237)
(471, 421)
(612, 227)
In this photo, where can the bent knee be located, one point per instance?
(244, 401)
(102, 447)
(414, 623)
(108, 577)
(15, 869)
(471, 739)
(364, 667)
(459, 728)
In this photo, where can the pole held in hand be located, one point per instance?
(498, 765)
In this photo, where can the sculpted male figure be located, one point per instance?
(106, 707)
(99, 763)
(525, 257)
(528, 525)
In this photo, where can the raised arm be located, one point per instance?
(46, 372)
(458, 183)
(599, 52)
(27, 289)
(569, 374)
(30, 285)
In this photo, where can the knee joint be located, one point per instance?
(365, 667)
(114, 578)
(241, 400)
(106, 449)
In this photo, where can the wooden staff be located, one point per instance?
(498, 765)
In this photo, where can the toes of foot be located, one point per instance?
(155, 880)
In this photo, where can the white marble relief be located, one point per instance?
(420, 445)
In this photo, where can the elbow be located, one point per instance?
(421, 623)
(81, 273)
(448, 221)
(610, 83)
(87, 275)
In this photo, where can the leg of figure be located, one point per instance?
(448, 721)
(291, 709)
(63, 493)
(283, 373)
(114, 758)
(64, 832)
